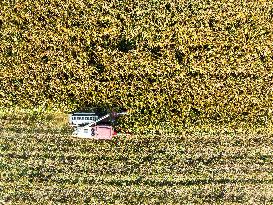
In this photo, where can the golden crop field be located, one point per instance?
(41, 163)
(196, 77)
(193, 61)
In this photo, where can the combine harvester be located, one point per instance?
(94, 125)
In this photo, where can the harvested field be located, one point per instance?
(41, 163)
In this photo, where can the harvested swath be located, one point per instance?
(198, 167)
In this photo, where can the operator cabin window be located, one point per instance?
(85, 130)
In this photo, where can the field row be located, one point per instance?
(56, 168)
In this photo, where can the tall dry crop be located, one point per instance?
(178, 61)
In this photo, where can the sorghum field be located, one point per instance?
(40, 163)
(194, 61)
(195, 75)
